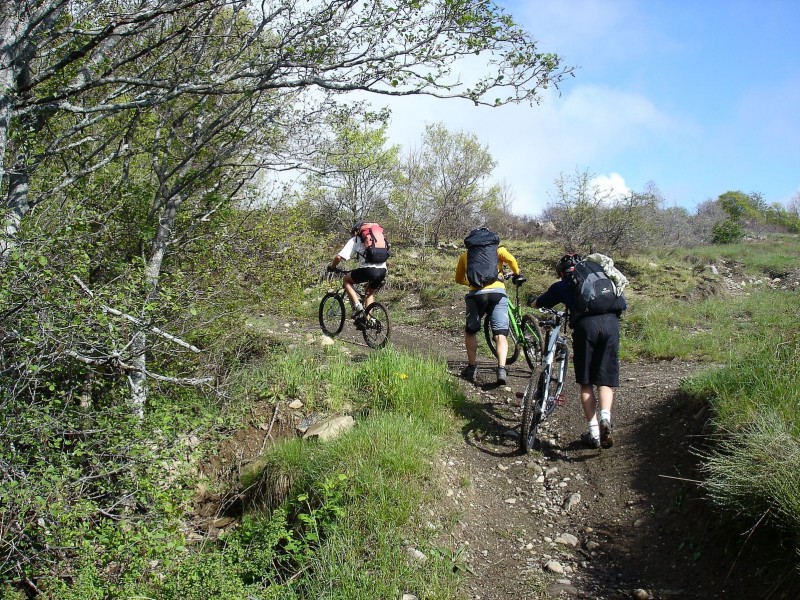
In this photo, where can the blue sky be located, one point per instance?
(697, 96)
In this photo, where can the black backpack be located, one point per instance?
(595, 293)
(481, 245)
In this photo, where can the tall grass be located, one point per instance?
(350, 508)
(752, 465)
(755, 472)
(715, 329)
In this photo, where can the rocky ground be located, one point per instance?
(627, 522)
(566, 521)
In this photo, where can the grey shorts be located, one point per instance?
(493, 304)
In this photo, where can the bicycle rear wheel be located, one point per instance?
(331, 314)
(532, 345)
(532, 405)
(513, 346)
(377, 327)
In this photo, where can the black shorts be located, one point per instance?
(595, 347)
(372, 276)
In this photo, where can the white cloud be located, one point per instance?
(613, 185)
(585, 129)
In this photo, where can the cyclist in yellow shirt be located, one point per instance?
(487, 300)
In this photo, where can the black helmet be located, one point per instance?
(356, 227)
(566, 262)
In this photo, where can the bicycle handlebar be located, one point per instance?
(559, 314)
(520, 279)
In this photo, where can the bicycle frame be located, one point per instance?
(556, 347)
(524, 332)
(544, 390)
(515, 316)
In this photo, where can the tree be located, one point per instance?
(408, 203)
(456, 168)
(210, 93)
(103, 59)
(793, 207)
(354, 175)
(574, 210)
(590, 219)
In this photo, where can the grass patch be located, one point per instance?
(753, 465)
(349, 514)
(714, 329)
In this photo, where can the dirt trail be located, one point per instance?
(626, 522)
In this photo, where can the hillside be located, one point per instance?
(636, 525)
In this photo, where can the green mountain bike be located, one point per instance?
(524, 333)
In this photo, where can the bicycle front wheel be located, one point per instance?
(376, 326)
(331, 314)
(532, 344)
(513, 345)
(532, 406)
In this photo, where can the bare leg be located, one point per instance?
(501, 344)
(606, 395)
(351, 292)
(589, 402)
(369, 296)
(471, 344)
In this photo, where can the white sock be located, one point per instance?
(594, 428)
(358, 306)
(605, 414)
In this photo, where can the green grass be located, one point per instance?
(711, 330)
(351, 506)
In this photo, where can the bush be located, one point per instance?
(726, 232)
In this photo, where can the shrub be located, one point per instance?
(726, 232)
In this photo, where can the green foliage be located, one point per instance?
(99, 494)
(754, 472)
(737, 205)
(751, 209)
(726, 232)
(352, 500)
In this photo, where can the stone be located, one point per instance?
(329, 429)
(554, 567)
(567, 539)
(416, 554)
(571, 501)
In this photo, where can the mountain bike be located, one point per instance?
(524, 332)
(373, 323)
(543, 392)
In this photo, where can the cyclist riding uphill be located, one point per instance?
(595, 338)
(479, 268)
(369, 245)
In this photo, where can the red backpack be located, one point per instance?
(376, 247)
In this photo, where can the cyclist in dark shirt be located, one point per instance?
(595, 352)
